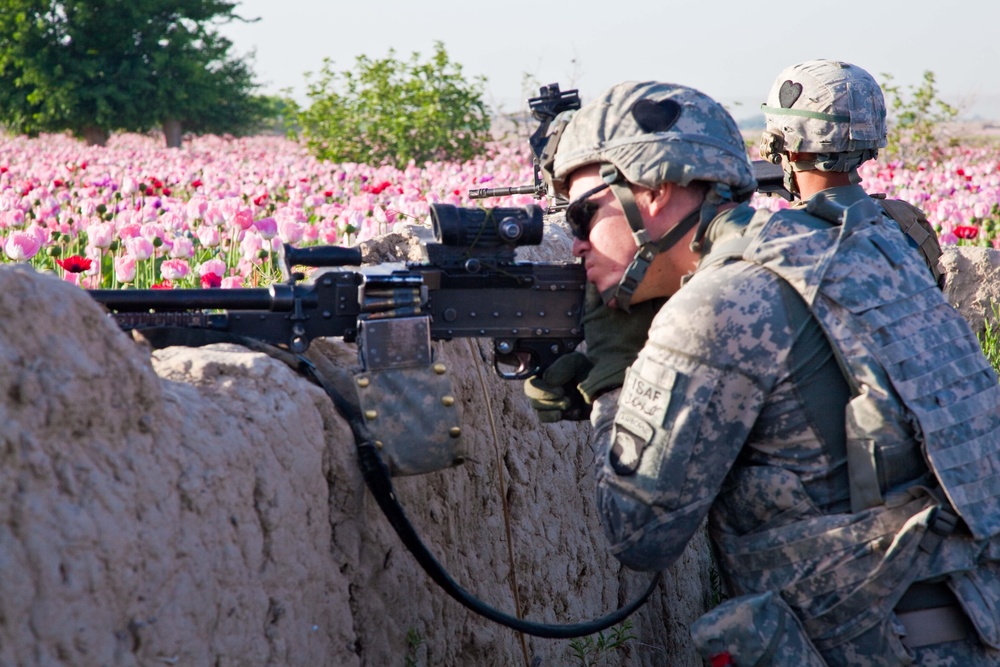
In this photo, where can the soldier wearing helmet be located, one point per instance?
(806, 388)
(824, 118)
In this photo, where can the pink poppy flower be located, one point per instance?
(174, 269)
(125, 268)
(21, 246)
(139, 247)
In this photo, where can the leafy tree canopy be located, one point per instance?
(390, 111)
(82, 65)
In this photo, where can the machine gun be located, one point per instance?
(471, 286)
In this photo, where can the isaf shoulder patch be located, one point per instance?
(641, 408)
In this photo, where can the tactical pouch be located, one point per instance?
(978, 591)
(754, 631)
(408, 402)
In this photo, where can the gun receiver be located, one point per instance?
(472, 287)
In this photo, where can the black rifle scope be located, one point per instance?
(486, 227)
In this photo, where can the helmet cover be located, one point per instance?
(652, 133)
(823, 106)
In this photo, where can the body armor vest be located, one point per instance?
(924, 397)
(915, 367)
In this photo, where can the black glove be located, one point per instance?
(554, 394)
(614, 339)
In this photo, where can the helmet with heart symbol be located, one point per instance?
(832, 109)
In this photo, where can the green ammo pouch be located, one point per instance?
(754, 631)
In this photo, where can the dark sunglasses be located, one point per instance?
(580, 212)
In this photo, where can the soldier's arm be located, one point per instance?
(667, 440)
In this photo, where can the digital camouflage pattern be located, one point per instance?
(823, 106)
(653, 133)
(415, 415)
(711, 422)
(754, 630)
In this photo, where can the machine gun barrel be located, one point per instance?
(134, 301)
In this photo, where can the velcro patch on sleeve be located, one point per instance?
(629, 440)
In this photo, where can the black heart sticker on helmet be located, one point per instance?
(656, 116)
(788, 93)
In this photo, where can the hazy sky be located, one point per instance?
(729, 49)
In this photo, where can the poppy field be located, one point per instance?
(135, 214)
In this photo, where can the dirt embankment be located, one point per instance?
(203, 507)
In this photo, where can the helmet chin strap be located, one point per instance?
(648, 249)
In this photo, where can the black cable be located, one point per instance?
(379, 482)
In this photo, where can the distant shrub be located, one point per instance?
(914, 120)
(388, 111)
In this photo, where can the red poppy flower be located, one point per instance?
(163, 284)
(196, 183)
(75, 263)
(966, 232)
(211, 280)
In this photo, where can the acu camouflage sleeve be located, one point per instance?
(688, 404)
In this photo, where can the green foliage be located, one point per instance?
(607, 649)
(387, 111)
(716, 590)
(990, 338)
(83, 64)
(914, 119)
(413, 643)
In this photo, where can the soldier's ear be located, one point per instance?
(658, 198)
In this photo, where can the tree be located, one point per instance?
(93, 66)
(390, 111)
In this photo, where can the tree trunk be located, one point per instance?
(172, 132)
(95, 136)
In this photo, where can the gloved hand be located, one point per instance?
(614, 339)
(566, 389)
(554, 394)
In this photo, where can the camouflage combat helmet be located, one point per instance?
(647, 134)
(653, 133)
(833, 109)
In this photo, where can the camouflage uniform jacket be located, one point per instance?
(722, 416)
